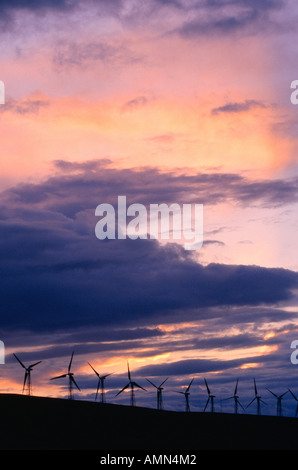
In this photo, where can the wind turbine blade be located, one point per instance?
(105, 376)
(70, 362)
(280, 396)
(255, 385)
(293, 395)
(25, 379)
(35, 364)
(19, 360)
(229, 398)
(124, 388)
(139, 386)
(59, 377)
(208, 391)
(128, 371)
(262, 401)
(271, 392)
(182, 393)
(73, 380)
(163, 382)
(236, 387)
(93, 369)
(206, 403)
(251, 401)
(190, 385)
(151, 383)
(240, 404)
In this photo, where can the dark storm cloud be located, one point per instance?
(81, 187)
(51, 281)
(56, 274)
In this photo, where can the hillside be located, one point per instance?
(51, 423)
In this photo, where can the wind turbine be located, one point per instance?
(159, 392)
(130, 385)
(258, 398)
(236, 399)
(278, 401)
(101, 379)
(27, 376)
(296, 401)
(210, 398)
(71, 380)
(186, 394)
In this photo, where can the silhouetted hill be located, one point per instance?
(52, 423)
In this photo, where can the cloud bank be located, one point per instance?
(56, 274)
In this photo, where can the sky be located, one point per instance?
(163, 101)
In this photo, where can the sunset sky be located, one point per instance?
(164, 101)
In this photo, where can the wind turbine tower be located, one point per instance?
(159, 390)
